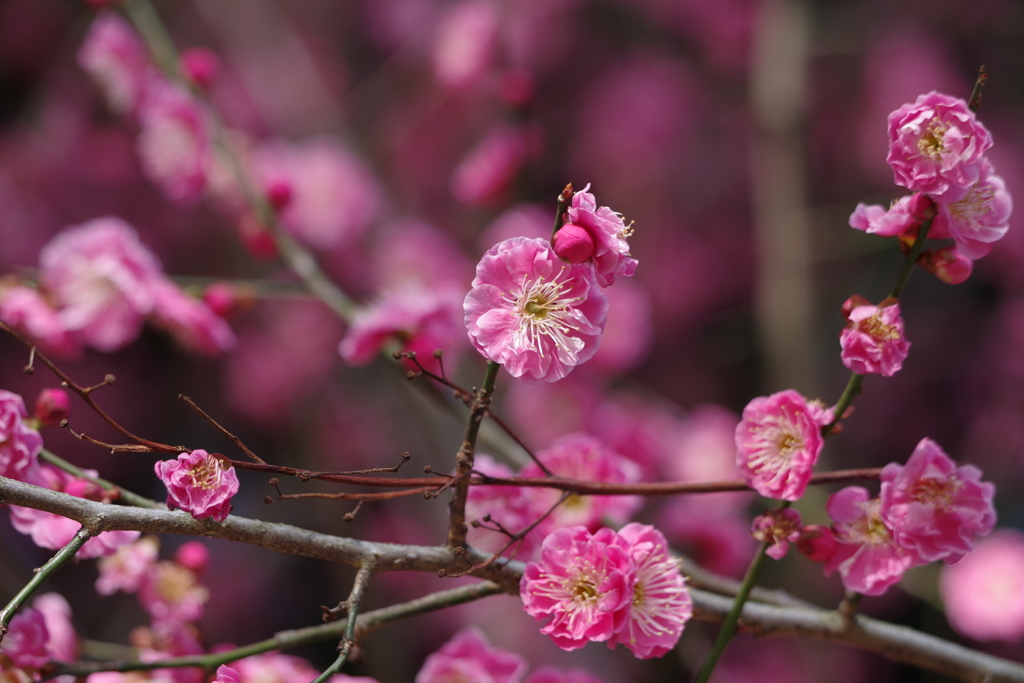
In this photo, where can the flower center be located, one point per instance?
(977, 203)
(174, 583)
(936, 493)
(931, 143)
(584, 590)
(879, 330)
(206, 473)
(544, 309)
(775, 441)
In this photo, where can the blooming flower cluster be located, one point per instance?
(199, 483)
(874, 342)
(617, 587)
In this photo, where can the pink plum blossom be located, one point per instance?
(947, 264)
(637, 426)
(116, 58)
(777, 443)
(609, 233)
(25, 642)
(874, 342)
(583, 582)
(103, 281)
(936, 509)
(981, 218)
(702, 446)
(52, 406)
(905, 214)
(126, 569)
(200, 65)
(62, 643)
(549, 674)
(661, 604)
(936, 146)
(469, 657)
(171, 592)
(190, 321)
(199, 483)
(19, 443)
(533, 314)
(274, 667)
(465, 42)
(510, 506)
(225, 674)
(779, 528)
(984, 592)
(868, 557)
(573, 244)
(486, 173)
(175, 142)
(816, 543)
(28, 310)
(193, 555)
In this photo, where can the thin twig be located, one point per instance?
(234, 439)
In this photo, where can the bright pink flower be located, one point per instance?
(25, 642)
(581, 456)
(906, 213)
(947, 264)
(62, 644)
(464, 43)
(102, 279)
(573, 243)
(584, 582)
(867, 555)
(126, 569)
(532, 313)
(117, 59)
(200, 65)
(936, 509)
(549, 674)
(777, 443)
(172, 593)
(198, 483)
(193, 555)
(874, 342)
(779, 528)
(19, 443)
(981, 218)
(816, 543)
(190, 321)
(486, 173)
(509, 506)
(984, 592)
(175, 141)
(26, 309)
(469, 658)
(936, 145)
(52, 406)
(661, 604)
(611, 251)
(225, 674)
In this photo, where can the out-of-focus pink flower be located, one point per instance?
(226, 299)
(128, 567)
(225, 674)
(629, 332)
(936, 509)
(413, 253)
(485, 174)
(637, 426)
(777, 444)
(981, 218)
(274, 667)
(25, 642)
(661, 604)
(584, 582)
(936, 145)
(190, 321)
(198, 483)
(509, 506)
(194, 556)
(867, 556)
(200, 65)
(947, 264)
(779, 528)
(609, 233)
(713, 527)
(549, 674)
(702, 446)
(581, 456)
(464, 43)
(116, 58)
(172, 593)
(175, 141)
(62, 643)
(52, 406)
(333, 195)
(874, 342)
(532, 313)
(102, 279)
(816, 543)
(522, 220)
(19, 443)
(906, 213)
(26, 309)
(469, 657)
(984, 592)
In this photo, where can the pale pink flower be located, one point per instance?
(586, 457)
(522, 220)
(981, 218)
(947, 264)
(225, 674)
(413, 253)
(117, 59)
(485, 174)
(172, 593)
(25, 642)
(984, 592)
(779, 528)
(702, 446)
(777, 443)
(936, 145)
(713, 527)
(583, 582)
(102, 279)
(509, 506)
(199, 483)
(867, 555)
(62, 643)
(661, 604)
(52, 406)
(905, 214)
(629, 333)
(936, 509)
(637, 426)
(532, 313)
(874, 342)
(469, 658)
(611, 250)
(464, 43)
(26, 309)
(274, 667)
(175, 142)
(191, 322)
(19, 443)
(126, 569)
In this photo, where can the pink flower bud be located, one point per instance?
(279, 193)
(52, 406)
(83, 488)
(200, 65)
(947, 264)
(573, 243)
(816, 543)
(921, 207)
(193, 555)
(220, 297)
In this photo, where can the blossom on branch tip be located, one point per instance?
(52, 406)
(19, 443)
(469, 657)
(778, 528)
(905, 214)
(200, 65)
(199, 483)
(608, 233)
(117, 59)
(816, 543)
(874, 342)
(980, 218)
(532, 313)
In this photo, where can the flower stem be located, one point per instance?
(851, 391)
(911, 259)
(122, 494)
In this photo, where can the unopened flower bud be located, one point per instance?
(921, 207)
(279, 194)
(816, 543)
(947, 264)
(52, 406)
(193, 555)
(200, 65)
(573, 243)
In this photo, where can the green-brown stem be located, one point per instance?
(121, 494)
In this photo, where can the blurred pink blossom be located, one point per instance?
(874, 342)
(469, 657)
(191, 322)
(172, 593)
(225, 674)
(414, 253)
(62, 643)
(981, 218)
(465, 42)
(549, 674)
(175, 142)
(609, 233)
(200, 65)
(713, 527)
(116, 58)
(522, 220)
(816, 543)
(199, 483)
(26, 639)
(629, 332)
(533, 314)
(52, 406)
(543, 412)
(779, 528)
(126, 569)
(702, 446)
(19, 443)
(25, 308)
(509, 506)
(274, 667)
(193, 555)
(485, 174)
(947, 264)
(906, 213)
(984, 592)
(638, 426)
